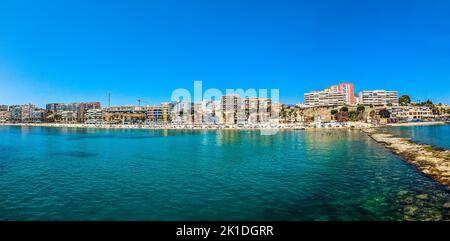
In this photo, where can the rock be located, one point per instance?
(410, 210)
(402, 193)
(447, 205)
(422, 196)
(408, 200)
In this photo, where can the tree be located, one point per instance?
(344, 109)
(384, 113)
(353, 115)
(428, 103)
(334, 112)
(360, 108)
(404, 100)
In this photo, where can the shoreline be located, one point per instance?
(428, 123)
(431, 161)
(348, 125)
(181, 127)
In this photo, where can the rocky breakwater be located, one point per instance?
(431, 161)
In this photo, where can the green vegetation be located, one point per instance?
(354, 116)
(404, 100)
(344, 109)
(384, 113)
(360, 108)
(334, 112)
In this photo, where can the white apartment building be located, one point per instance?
(94, 116)
(325, 98)
(257, 110)
(378, 97)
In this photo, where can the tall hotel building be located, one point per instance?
(378, 97)
(230, 105)
(348, 90)
(335, 95)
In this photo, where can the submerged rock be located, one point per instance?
(446, 205)
(402, 193)
(408, 200)
(422, 196)
(410, 210)
(429, 160)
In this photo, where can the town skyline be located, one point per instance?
(108, 99)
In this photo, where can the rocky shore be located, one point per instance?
(431, 161)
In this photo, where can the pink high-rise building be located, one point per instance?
(348, 90)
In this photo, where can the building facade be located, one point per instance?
(324, 98)
(231, 109)
(378, 97)
(124, 115)
(156, 114)
(5, 116)
(94, 116)
(257, 110)
(348, 90)
(410, 113)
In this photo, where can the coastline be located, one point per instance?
(178, 127)
(431, 161)
(348, 125)
(419, 123)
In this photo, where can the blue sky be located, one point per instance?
(62, 51)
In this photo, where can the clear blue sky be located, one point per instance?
(61, 51)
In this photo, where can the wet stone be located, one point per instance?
(422, 196)
(410, 210)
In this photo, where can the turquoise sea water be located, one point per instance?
(99, 174)
(436, 135)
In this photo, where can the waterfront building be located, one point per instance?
(79, 108)
(15, 113)
(25, 113)
(180, 112)
(210, 112)
(156, 114)
(378, 97)
(37, 115)
(94, 116)
(230, 106)
(409, 113)
(60, 107)
(257, 110)
(347, 89)
(324, 98)
(124, 115)
(68, 116)
(335, 95)
(5, 116)
(84, 107)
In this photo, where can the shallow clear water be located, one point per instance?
(436, 135)
(99, 174)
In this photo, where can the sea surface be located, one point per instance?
(104, 174)
(435, 135)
